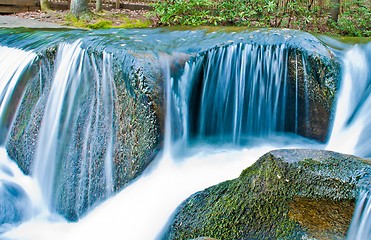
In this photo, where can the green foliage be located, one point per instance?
(189, 12)
(296, 14)
(96, 21)
(134, 23)
(355, 19)
(100, 24)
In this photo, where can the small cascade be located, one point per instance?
(19, 68)
(360, 228)
(73, 160)
(352, 124)
(231, 93)
(243, 93)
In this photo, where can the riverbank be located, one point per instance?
(119, 18)
(13, 21)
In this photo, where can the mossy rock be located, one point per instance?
(137, 131)
(286, 194)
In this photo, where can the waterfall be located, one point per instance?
(18, 64)
(352, 124)
(76, 133)
(233, 93)
(18, 193)
(360, 228)
(225, 106)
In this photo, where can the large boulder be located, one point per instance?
(14, 203)
(286, 194)
(137, 115)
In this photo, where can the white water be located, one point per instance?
(9, 172)
(353, 114)
(360, 228)
(16, 62)
(141, 210)
(76, 74)
(44, 169)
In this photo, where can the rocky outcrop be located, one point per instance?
(137, 112)
(139, 115)
(286, 194)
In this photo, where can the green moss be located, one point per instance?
(268, 199)
(134, 23)
(101, 21)
(101, 24)
(257, 200)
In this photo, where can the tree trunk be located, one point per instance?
(335, 10)
(98, 5)
(79, 7)
(44, 5)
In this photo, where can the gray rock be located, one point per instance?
(14, 203)
(286, 194)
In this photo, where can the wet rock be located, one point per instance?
(286, 194)
(22, 140)
(137, 114)
(14, 203)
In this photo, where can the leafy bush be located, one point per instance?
(297, 14)
(184, 12)
(355, 19)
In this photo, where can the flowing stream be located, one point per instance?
(216, 125)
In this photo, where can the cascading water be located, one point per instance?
(241, 87)
(234, 93)
(74, 154)
(352, 127)
(228, 94)
(18, 64)
(18, 193)
(352, 123)
(360, 227)
(79, 110)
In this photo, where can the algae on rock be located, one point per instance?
(277, 197)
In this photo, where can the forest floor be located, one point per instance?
(106, 18)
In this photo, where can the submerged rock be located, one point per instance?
(14, 203)
(286, 194)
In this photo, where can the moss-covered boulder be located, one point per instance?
(286, 194)
(136, 118)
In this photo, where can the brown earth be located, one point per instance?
(116, 16)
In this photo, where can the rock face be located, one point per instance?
(14, 203)
(139, 116)
(286, 194)
(137, 113)
(314, 78)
